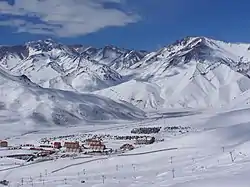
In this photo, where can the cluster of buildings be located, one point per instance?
(89, 144)
(145, 140)
(93, 145)
(146, 130)
(70, 146)
(96, 145)
(50, 148)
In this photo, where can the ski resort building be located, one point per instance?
(146, 130)
(46, 146)
(3, 143)
(57, 145)
(145, 140)
(95, 145)
(72, 146)
(98, 147)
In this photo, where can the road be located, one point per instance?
(148, 152)
(76, 164)
(105, 158)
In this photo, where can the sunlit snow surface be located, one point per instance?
(202, 156)
(195, 72)
(197, 82)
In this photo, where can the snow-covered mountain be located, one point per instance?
(114, 57)
(53, 65)
(199, 49)
(21, 100)
(195, 72)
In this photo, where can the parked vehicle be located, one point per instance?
(4, 182)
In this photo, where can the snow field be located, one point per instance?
(201, 157)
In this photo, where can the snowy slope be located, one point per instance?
(191, 164)
(141, 94)
(186, 87)
(27, 103)
(76, 74)
(199, 49)
(195, 72)
(114, 57)
(192, 73)
(53, 65)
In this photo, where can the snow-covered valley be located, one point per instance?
(199, 157)
(196, 91)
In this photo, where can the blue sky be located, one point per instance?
(138, 24)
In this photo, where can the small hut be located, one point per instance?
(3, 143)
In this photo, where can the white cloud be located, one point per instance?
(63, 18)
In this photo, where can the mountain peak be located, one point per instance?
(86, 69)
(191, 40)
(44, 45)
(45, 41)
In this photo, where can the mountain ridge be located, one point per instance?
(30, 104)
(192, 62)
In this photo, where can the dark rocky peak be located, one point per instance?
(188, 39)
(44, 45)
(112, 47)
(122, 52)
(76, 47)
(18, 50)
(191, 46)
(199, 49)
(182, 41)
(111, 51)
(88, 51)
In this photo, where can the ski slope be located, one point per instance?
(201, 157)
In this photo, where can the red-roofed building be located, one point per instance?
(57, 145)
(72, 146)
(3, 143)
(96, 145)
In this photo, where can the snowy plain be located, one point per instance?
(202, 157)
